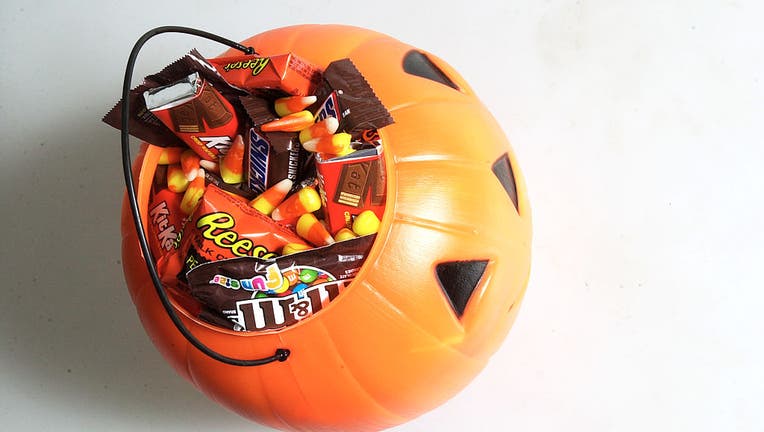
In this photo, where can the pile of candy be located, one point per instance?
(270, 185)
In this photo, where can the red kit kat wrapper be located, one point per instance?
(351, 184)
(197, 113)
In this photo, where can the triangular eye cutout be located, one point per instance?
(459, 280)
(416, 63)
(503, 171)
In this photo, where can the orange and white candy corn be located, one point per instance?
(292, 104)
(267, 201)
(189, 161)
(325, 127)
(211, 166)
(170, 155)
(344, 234)
(332, 144)
(193, 195)
(176, 179)
(309, 228)
(294, 122)
(232, 164)
(306, 200)
(291, 248)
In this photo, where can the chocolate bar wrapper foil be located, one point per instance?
(143, 123)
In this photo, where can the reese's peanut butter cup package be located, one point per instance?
(225, 226)
(286, 72)
(254, 294)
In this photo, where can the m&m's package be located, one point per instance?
(270, 185)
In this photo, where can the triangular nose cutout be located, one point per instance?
(459, 280)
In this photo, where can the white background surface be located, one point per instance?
(638, 126)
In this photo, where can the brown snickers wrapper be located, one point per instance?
(271, 156)
(346, 95)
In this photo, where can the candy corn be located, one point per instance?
(344, 234)
(309, 228)
(267, 201)
(210, 166)
(232, 164)
(306, 200)
(366, 222)
(189, 161)
(170, 155)
(291, 123)
(292, 104)
(291, 248)
(325, 127)
(176, 180)
(193, 195)
(331, 144)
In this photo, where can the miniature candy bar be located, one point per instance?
(272, 156)
(286, 72)
(347, 96)
(165, 222)
(351, 184)
(195, 112)
(225, 226)
(143, 123)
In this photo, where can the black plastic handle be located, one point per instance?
(281, 354)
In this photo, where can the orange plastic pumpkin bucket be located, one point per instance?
(441, 285)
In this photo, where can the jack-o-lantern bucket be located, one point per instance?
(440, 287)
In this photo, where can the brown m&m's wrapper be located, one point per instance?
(252, 294)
